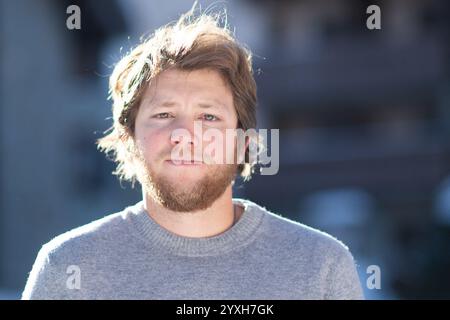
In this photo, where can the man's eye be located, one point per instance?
(163, 115)
(210, 117)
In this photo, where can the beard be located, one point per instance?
(191, 197)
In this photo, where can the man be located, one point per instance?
(188, 238)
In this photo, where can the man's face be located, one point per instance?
(165, 122)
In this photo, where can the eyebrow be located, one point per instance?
(208, 105)
(204, 105)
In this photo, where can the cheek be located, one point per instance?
(230, 146)
(147, 141)
(151, 142)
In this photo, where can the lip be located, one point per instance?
(183, 163)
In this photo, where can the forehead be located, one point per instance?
(203, 83)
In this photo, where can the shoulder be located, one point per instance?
(312, 252)
(86, 246)
(89, 237)
(284, 230)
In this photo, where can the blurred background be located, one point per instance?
(364, 119)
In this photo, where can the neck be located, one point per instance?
(216, 219)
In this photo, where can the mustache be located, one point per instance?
(194, 154)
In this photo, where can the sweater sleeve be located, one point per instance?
(343, 282)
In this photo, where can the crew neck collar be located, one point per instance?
(241, 233)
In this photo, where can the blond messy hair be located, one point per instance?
(193, 42)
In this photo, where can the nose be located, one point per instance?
(185, 131)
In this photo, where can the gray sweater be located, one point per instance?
(127, 255)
